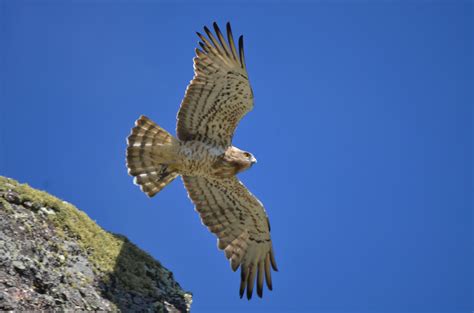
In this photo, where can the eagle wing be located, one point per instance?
(219, 94)
(240, 222)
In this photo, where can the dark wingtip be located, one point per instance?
(260, 292)
(272, 261)
(241, 51)
(241, 43)
(216, 28)
(206, 30)
(243, 280)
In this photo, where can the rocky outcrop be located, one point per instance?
(53, 256)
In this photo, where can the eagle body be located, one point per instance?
(202, 153)
(197, 158)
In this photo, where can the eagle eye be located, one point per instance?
(247, 155)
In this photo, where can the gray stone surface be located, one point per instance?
(47, 264)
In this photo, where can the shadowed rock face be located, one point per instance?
(53, 256)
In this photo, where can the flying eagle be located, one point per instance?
(215, 101)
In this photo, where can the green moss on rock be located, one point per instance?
(113, 257)
(102, 247)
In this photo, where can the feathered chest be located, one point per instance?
(201, 159)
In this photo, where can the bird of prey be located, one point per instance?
(215, 101)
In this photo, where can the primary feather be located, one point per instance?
(219, 94)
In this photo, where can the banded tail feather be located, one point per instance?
(151, 152)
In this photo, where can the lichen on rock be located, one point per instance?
(53, 256)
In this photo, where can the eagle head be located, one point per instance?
(233, 161)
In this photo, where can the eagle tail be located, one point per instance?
(151, 153)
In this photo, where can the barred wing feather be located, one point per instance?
(240, 222)
(219, 94)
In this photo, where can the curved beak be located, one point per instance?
(253, 160)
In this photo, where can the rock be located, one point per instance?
(12, 197)
(6, 302)
(53, 257)
(19, 265)
(47, 211)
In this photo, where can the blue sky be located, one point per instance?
(362, 127)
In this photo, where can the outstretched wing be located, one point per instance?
(241, 225)
(219, 94)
